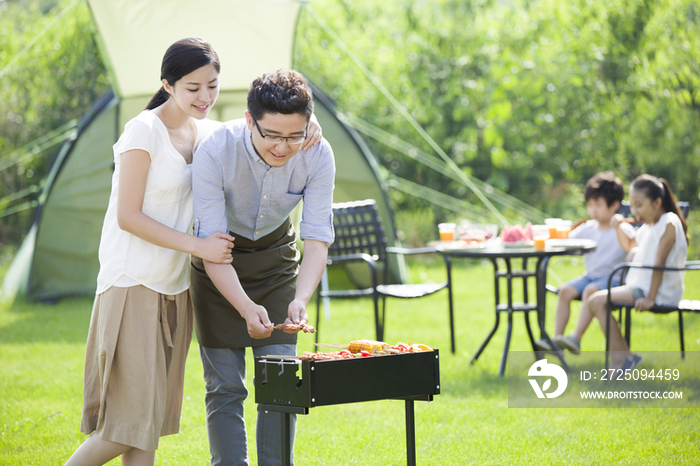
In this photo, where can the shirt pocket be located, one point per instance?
(286, 202)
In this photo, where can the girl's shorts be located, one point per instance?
(638, 293)
(583, 281)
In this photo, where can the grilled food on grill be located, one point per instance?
(318, 356)
(371, 346)
(410, 348)
(365, 348)
(379, 347)
(296, 327)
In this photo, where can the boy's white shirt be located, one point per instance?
(608, 254)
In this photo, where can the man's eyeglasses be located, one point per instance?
(291, 140)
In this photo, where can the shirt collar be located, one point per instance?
(250, 148)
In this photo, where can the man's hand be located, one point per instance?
(259, 325)
(296, 314)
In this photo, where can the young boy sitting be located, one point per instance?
(603, 193)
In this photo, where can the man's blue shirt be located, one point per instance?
(235, 190)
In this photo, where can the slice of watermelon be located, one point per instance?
(515, 235)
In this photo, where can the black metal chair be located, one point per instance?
(360, 237)
(685, 305)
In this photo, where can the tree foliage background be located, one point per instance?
(530, 96)
(44, 87)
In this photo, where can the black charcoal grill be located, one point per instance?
(280, 387)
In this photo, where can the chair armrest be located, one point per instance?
(624, 268)
(689, 265)
(366, 258)
(426, 250)
(661, 267)
(353, 257)
(407, 251)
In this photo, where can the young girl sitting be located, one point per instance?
(661, 241)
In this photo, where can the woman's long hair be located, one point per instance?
(655, 188)
(182, 58)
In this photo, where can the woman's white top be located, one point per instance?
(648, 237)
(127, 260)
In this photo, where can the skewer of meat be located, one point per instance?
(296, 327)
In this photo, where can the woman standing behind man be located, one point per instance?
(141, 323)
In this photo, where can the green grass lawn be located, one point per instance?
(41, 363)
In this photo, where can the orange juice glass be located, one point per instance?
(552, 224)
(447, 231)
(539, 234)
(563, 229)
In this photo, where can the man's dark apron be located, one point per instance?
(267, 269)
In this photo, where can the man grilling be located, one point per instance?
(247, 177)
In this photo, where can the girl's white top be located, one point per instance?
(648, 237)
(127, 260)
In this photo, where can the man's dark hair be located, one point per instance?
(605, 185)
(283, 91)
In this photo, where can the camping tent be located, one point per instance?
(59, 256)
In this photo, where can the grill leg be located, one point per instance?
(410, 434)
(680, 329)
(286, 440)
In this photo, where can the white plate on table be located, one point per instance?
(570, 242)
(518, 244)
(445, 245)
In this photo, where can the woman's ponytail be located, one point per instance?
(158, 99)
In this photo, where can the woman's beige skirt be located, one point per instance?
(135, 365)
